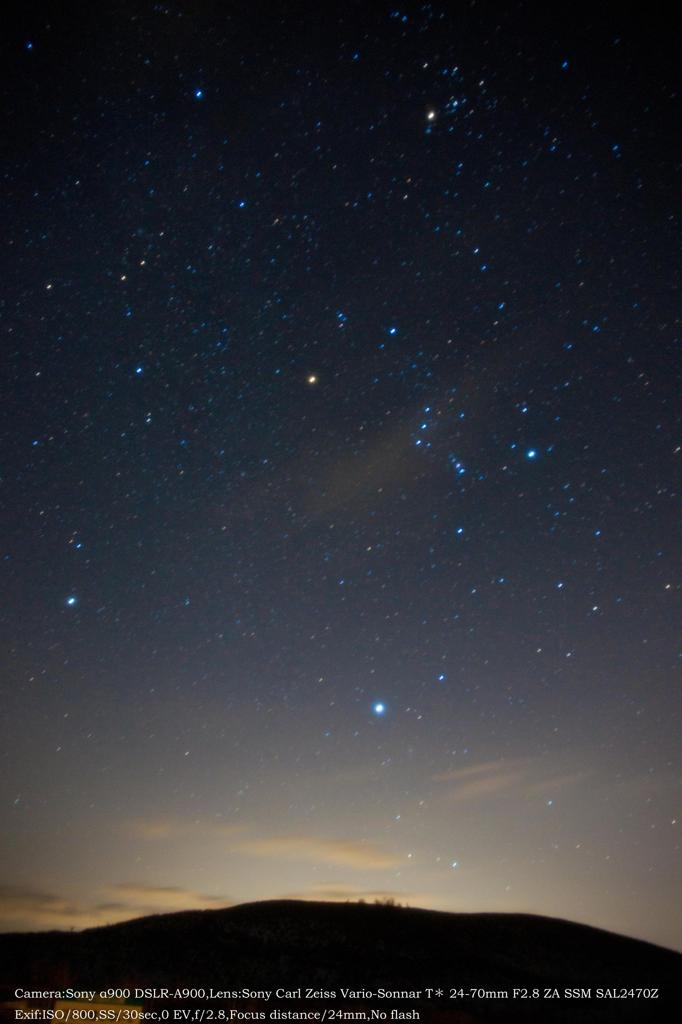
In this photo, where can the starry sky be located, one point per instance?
(338, 434)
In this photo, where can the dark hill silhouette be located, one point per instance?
(332, 946)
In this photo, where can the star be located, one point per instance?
(379, 708)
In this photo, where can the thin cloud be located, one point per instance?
(490, 778)
(555, 782)
(25, 909)
(486, 768)
(169, 897)
(489, 785)
(153, 828)
(338, 852)
(18, 898)
(372, 472)
(157, 829)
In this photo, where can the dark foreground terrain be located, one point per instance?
(331, 946)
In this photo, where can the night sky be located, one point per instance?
(339, 533)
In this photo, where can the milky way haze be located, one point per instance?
(339, 537)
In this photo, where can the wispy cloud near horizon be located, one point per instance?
(157, 829)
(338, 852)
(23, 908)
(242, 839)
